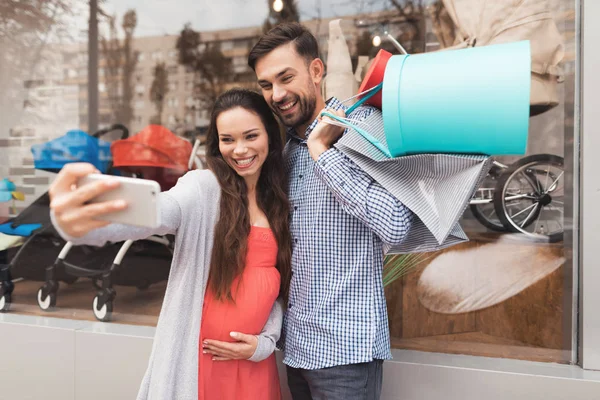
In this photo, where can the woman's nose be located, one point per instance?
(240, 148)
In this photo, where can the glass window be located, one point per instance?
(47, 88)
(467, 299)
(226, 45)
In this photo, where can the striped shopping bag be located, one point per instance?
(435, 187)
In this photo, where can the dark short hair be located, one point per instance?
(304, 42)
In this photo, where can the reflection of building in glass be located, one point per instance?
(181, 111)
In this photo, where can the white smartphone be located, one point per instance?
(141, 196)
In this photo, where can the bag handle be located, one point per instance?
(372, 92)
(380, 146)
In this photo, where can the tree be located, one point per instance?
(121, 60)
(26, 28)
(442, 24)
(289, 13)
(23, 18)
(213, 71)
(411, 24)
(158, 91)
(364, 45)
(415, 28)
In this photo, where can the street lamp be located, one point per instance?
(278, 5)
(376, 40)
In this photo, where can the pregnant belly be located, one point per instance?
(254, 299)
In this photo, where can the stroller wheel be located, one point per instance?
(103, 313)
(5, 302)
(47, 303)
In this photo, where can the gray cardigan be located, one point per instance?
(190, 211)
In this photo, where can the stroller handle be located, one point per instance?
(114, 127)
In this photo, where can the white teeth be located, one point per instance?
(287, 106)
(245, 161)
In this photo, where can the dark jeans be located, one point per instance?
(345, 382)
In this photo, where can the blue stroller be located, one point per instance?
(42, 243)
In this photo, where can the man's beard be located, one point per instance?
(306, 109)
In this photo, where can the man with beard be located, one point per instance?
(335, 333)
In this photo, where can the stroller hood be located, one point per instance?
(74, 146)
(154, 146)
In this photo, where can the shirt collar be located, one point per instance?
(332, 103)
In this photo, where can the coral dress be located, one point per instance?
(254, 298)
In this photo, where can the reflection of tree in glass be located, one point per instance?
(404, 19)
(158, 91)
(213, 71)
(120, 62)
(21, 18)
(364, 45)
(26, 28)
(289, 13)
(442, 25)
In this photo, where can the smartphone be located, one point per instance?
(141, 196)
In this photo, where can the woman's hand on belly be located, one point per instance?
(242, 349)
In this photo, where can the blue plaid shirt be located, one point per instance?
(340, 220)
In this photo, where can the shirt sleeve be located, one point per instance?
(270, 333)
(363, 198)
(170, 205)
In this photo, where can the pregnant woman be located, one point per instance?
(231, 261)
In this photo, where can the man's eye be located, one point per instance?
(266, 87)
(287, 78)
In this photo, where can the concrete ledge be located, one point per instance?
(64, 359)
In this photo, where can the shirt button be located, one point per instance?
(295, 240)
(295, 207)
(300, 176)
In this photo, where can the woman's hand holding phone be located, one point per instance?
(68, 201)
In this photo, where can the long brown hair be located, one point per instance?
(232, 230)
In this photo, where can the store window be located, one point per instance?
(450, 301)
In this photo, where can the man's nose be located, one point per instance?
(279, 93)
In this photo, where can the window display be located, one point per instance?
(132, 96)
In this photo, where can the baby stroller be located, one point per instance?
(154, 153)
(42, 243)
